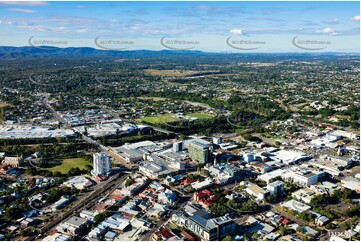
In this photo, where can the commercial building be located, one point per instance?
(101, 164)
(199, 152)
(351, 183)
(64, 200)
(139, 183)
(32, 132)
(13, 161)
(328, 140)
(154, 166)
(107, 129)
(88, 215)
(130, 155)
(304, 177)
(305, 195)
(297, 174)
(72, 226)
(203, 184)
(326, 166)
(272, 174)
(225, 170)
(117, 222)
(345, 134)
(180, 218)
(58, 237)
(178, 146)
(344, 162)
(248, 157)
(224, 173)
(217, 140)
(211, 228)
(146, 146)
(276, 187)
(79, 182)
(98, 232)
(257, 191)
(297, 206)
(288, 156)
(205, 198)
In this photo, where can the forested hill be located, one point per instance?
(10, 52)
(29, 51)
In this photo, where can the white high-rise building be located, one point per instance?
(101, 164)
(276, 187)
(178, 146)
(217, 140)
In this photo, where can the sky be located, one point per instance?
(207, 26)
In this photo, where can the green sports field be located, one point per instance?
(67, 164)
(160, 119)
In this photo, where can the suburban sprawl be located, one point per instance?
(187, 145)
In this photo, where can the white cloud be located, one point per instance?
(356, 18)
(42, 28)
(327, 30)
(236, 31)
(25, 3)
(333, 21)
(202, 7)
(21, 10)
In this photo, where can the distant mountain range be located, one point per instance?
(9, 52)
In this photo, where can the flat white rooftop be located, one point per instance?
(22, 132)
(287, 156)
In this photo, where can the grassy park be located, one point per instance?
(159, 119)
(67, 164)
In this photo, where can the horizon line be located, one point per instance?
(185, 50)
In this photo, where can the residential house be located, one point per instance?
(205, 198)
(165, 234)
(167, 197)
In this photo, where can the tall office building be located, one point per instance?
(217, 140)
(199, 151)
(178, 146)
(101, 164)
